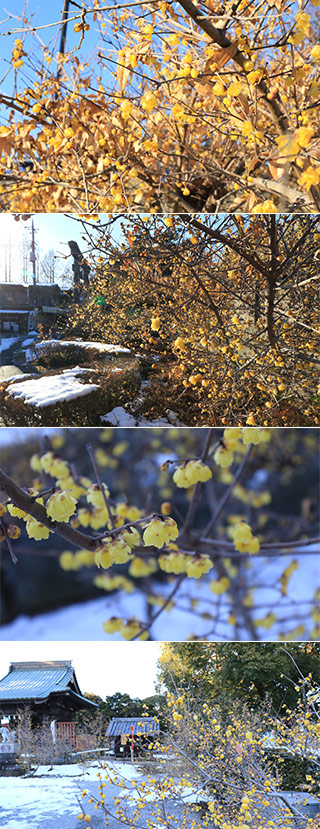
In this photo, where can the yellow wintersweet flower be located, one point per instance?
(59, 468)
(173, 40)
(99, 518)
(126, 108)
(46, 460)
(84, 517)
(220, 586)
(13, 531)
(112, 625)
(173, 563)
(60, 506)
(149, 101)
(117, 548)
(35, 529)
(15, 511)
(131, 537)
(309, 177)
(131, 628)
(142, 567)
(35, 463)
(67, 560)
(128, 511)
(223, 457)
(155, 323)
(231, 437)
(180, 343)
(191, 473)
(103, 558)
(95, 496)
(159, 532)
(254, 436)
(304, 135)
(198, 565)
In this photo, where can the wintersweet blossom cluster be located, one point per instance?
(232, 439)
(178, 563)
(243, 539)
(140, 567)
(51, 464)
(191, 473)
(127, 629)
(160, 531)
(112, 551)
(113, 581)
(35, 529)
(74, 561)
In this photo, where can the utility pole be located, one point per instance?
(33, 259)
(64, 21)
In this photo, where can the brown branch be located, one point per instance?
(26, 502)
(272, 280)
(228, 493)
(255, 261)
(218, 36)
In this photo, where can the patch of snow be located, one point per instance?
(29, 340)
(7, 342)
(45, 391)
(19, 377)
(191, 795)
(104, 348)
(82, 620)
(120, 417)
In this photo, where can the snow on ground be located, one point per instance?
(104, 348)
(83, 621)
(19, 376)
(7, 342)
(120, 417)
(46, 391)
(50, 798)
(30, 338)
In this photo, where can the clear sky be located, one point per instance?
(53, 230)
(41, 13)
(101, 667)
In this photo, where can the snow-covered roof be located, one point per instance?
(55, 388)
(141, 725)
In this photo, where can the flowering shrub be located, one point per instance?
(215, 764)
(181, 107)
(215, 548)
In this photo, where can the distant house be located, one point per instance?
(49, 690)
(122, 730)
(22, 307)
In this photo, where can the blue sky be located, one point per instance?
(42, 13)
(101, 667)
(53, 230)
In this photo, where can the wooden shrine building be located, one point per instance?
(122, 732)
(49, 690)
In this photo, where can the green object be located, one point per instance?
(100, 300)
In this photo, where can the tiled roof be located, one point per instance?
(36, 680)
(141, 725)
